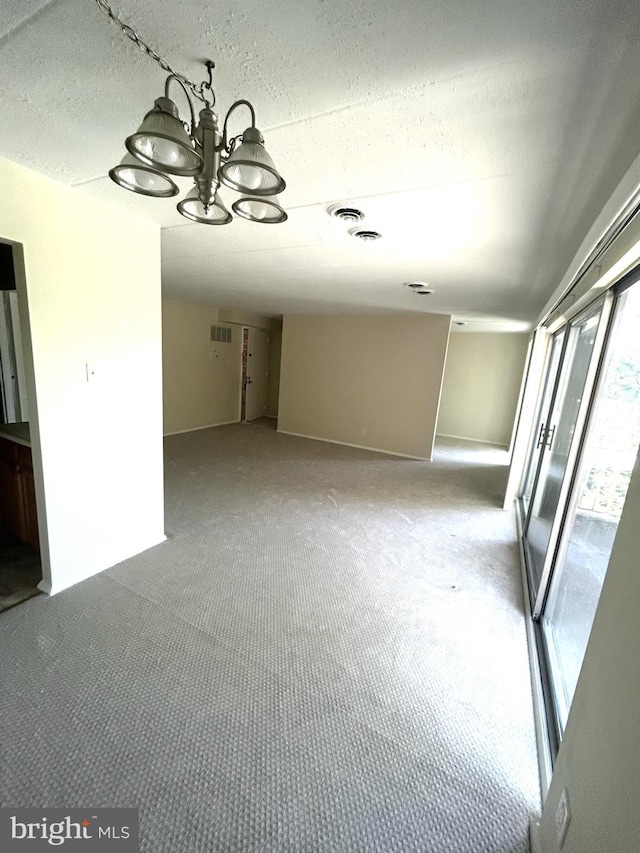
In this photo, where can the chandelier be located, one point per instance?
(164, 146)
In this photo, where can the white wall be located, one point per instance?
(482, 382)
(599, 759)
(371, 381)
(92, 294)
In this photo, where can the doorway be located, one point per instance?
(575, 485)
(255, 373)
(20, 564)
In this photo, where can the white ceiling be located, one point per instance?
(481, 138)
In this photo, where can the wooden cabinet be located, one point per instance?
(18, 512)
(10, 494)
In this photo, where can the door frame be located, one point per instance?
(559, 533)
(604, 322)
(246, 330)
(572, 495)
(18, 251)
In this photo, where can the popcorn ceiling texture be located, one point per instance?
(328, 654)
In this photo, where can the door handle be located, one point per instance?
(540, 436)
(549, 436)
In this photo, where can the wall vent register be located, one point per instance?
(221, 334)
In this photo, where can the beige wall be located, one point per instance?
(89, 289)
(201, 378)
(599, 759)
(275, 352)
(481, 385)
(371, 381)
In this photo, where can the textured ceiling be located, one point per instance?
(480, 137)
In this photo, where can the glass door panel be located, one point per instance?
(608, 455)
(535, 451)
(557, 441)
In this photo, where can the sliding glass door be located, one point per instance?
(551, 373)
(555, 445)
(574, 488)
(608, 454)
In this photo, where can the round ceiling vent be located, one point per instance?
(419, 287)
(346, 214)
(365, 235)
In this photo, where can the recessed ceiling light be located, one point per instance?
(365, 235)
(346, 214)
(423, 292)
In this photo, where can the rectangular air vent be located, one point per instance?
(221, 334)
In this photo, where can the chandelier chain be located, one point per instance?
(198, 89)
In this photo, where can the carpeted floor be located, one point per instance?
(328, 654)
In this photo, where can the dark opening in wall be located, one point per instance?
(7, 272)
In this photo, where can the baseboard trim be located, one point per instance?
(52, 588)
(357, 446)
(534, 835)
(198, 428)
(469, 438)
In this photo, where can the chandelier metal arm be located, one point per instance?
(225, 139)
(177, 78)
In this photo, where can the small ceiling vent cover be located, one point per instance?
(361, 234)
(419, 287)
(346, 214)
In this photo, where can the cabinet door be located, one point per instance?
(28, 513)
(18, 514)
(10, 493)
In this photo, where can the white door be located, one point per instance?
(257, 373)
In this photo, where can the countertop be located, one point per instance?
(16, 432)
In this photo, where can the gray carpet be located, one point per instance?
(329, 654)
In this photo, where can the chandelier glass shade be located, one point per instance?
(210, 211)
(131, 174)
(260, 209)
(161, 141)
(250, 169)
